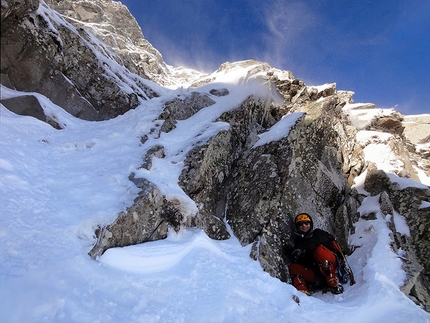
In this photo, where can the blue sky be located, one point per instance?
(379, 49)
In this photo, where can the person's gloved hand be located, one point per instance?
(296, 254)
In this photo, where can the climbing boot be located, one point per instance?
(300, 284)
(337, 289)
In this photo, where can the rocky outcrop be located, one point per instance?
(147, 219)
(417, 133)
(417, 128)
(40, 52)
(392, 124)
(112, 23)
(256, 190)
(12, 10)
(181, 109)
(413, 204)
(286, 176)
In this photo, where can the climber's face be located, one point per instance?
(304, 226)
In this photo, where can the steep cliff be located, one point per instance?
(283, 148)
(41, 52)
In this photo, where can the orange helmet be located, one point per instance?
(302, 217)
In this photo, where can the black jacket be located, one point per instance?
(307, 243)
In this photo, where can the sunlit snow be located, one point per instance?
(57, 185)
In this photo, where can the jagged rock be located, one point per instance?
(181, 109)
(417, 131)
(286, 177)
(376, 181)
(386, 204)
(346, 215)
(425, 140)
(27, 105)
(146, 220)
(113, 23)
(408, 202)
(413, 285)
(356, 163)
(417, 128)
(322, 91)
(156, 151)
(414, 249)
(11, 10)
(219, 92)
(345, 97)
(423, 150)
(202, 178)
(392, 124)
(63, 65)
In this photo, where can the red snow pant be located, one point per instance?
(327, 264)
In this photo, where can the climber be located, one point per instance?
(314, 260)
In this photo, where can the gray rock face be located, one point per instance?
(111, 22)
(12, 10)
(63, 63)
(27, 105)
(417, 128)
(181, 109)
(416, 247)
(147, 219)
(257, 191)
(417, 132)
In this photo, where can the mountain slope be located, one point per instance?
(214, 167)
(57, 184)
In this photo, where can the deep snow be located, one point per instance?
(56, 185)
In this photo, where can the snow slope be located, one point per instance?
(55, 185)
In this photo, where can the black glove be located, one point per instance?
(296, 254)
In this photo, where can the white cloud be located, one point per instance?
(287, 22)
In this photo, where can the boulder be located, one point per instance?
(147, 219)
